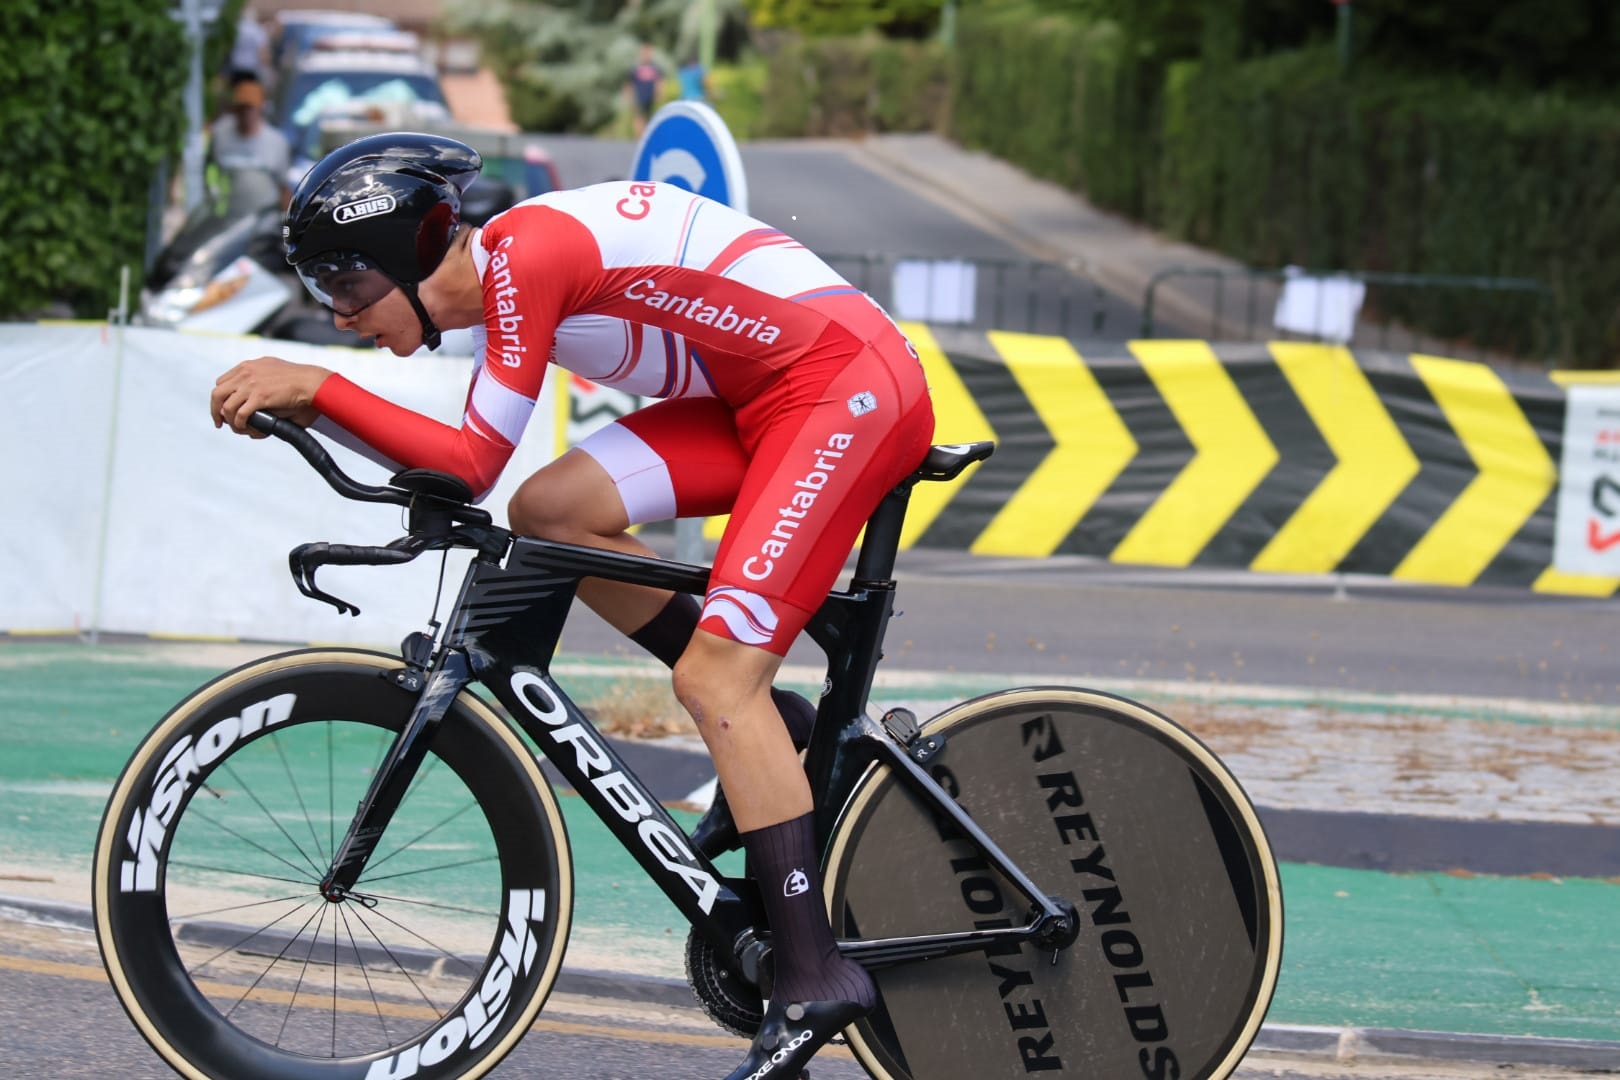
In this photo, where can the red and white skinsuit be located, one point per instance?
(791, 400)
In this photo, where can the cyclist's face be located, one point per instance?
(390, 321)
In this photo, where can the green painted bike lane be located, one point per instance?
(1427, 951)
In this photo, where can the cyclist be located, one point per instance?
(791, 401)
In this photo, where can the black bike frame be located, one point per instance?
(503, 633)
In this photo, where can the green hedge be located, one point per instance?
(1284, 160)
(1066, 102)
(90, 101)
(851, 85)
(737, 92)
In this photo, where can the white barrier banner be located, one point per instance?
(1587, 537)
(179, 528)
(56, 417)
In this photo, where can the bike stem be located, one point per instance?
(388, 787)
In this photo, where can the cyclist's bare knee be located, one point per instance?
(572, 500)
(719, 677)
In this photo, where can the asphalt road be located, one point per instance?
(1073, 619)
(1372, 637)
(830, 198)
(63, 1021)
(814, 190)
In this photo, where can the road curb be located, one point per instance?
(1348, 1044)
(1340, 1044)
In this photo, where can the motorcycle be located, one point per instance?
(223, 271)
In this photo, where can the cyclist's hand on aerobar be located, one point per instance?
(285, 389)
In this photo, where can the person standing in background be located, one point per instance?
(250, 156)
(642, 87)
(694, 78)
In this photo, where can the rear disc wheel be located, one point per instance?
(1101, 802)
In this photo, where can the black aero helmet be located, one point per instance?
(377, 213)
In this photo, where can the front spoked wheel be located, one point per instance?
(217, 835)
(1102, 802)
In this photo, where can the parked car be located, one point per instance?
(298, 29)
(350, 82)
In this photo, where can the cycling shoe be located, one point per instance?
(716, 832)
(791, 1034)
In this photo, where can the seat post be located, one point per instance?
(875, 565)
(882, 542)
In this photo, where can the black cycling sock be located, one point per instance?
(667, 633)
(808, 966)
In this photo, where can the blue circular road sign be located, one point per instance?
(688, 145)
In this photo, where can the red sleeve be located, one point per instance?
(413, 440)
(540, 263)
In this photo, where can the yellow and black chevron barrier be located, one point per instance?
(1287, 457)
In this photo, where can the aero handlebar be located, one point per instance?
(439, 514)
(319, 460)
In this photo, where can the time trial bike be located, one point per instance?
(338, 863)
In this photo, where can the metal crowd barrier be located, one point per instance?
(993, 294)
(1467, 317)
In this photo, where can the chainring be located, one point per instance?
(730, 1001)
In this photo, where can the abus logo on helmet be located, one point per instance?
(365, 208)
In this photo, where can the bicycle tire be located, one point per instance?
(435, 966)
(1106, 803)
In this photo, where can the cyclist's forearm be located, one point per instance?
(399, 436)
(325, 425)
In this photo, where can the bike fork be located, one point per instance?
(398, 768)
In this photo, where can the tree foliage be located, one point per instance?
(90, 101)
(1286, 158)
(824, 18)
(851, 85)
(564, 64)
(1537, 44)
(1529, 43)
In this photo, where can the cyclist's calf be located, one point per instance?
(725, 686)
